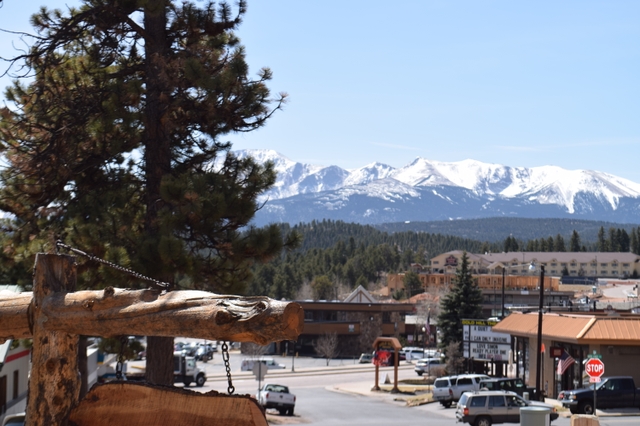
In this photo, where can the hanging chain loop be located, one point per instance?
(124, 341)
(225, 358)
(162, 285)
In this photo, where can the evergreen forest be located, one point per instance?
(335, 257)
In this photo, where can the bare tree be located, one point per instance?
(253, 349)
(305, 292)
(455, 362)
(327, 346)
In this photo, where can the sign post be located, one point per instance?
(595, 369)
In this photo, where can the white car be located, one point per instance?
(14, 419)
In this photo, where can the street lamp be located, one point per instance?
(503, 272)
(539, 358)
(532, 268)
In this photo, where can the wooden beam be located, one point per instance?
(54, 382)
(14, 316)
(198, 314)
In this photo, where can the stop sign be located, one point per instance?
(594, 367)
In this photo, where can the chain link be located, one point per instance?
(225, 358)
(162, 285)
(124, 341)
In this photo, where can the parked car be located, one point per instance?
(365, 358)
(424, 365)
(269, 363)
(204, 352)
(448, 389)
(278, 397)
(484, 408)
(14, 419)
(516, 385)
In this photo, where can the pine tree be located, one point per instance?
(115, 147)
(602, 242)
(412, 283)
(574, 244)
(464, 301)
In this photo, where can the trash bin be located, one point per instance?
(535, 416)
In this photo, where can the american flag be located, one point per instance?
(565, 362)
(427, 327)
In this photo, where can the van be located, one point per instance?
(268, 363)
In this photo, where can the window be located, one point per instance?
(16, 375)
(563, 264)
(478, 401)
(514, 401)
(435, 262)
(554, 271)
(554, 264)
(603, 272)
(464, 381)
(3, 394)
(496, 401)
(625, 265)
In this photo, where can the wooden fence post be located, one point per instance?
(54, 383)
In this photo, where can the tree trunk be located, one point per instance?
(157, 155)
(160, 356)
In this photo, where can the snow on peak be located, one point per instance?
(542, 185)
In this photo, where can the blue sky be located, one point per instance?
(519, 83)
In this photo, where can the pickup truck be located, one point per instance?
(448, 389)
(277, 396)
(611, 392)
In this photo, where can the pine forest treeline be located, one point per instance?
(349, 255)
(336, 256)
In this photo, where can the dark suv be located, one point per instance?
(513, 385)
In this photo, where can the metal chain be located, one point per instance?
(162, 285)
(225, 358)
(124, 340)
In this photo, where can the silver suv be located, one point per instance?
(484, 408)
(447, 390)
(424, 365)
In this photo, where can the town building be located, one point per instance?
(357, 321)
(614, 336)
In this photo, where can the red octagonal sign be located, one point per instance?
(594, 367)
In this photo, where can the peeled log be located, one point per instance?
(198, 314)
(138, 404)
(14, 315)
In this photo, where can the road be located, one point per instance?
(333, 396)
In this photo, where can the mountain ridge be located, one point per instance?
(428, 190)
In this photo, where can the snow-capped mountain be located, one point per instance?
(428, 190)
